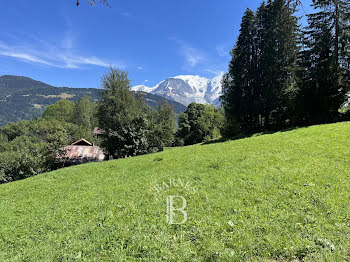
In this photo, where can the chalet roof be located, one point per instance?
(82, 142)
(83, 153)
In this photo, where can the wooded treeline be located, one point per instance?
(282, 75)
(128, 128)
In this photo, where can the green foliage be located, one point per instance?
(121, 116)
(325, 64)
(260, 88)
(13, 130)
(85, 120)
(3, 138)
(22, 98)
(130, 127)
(77, 118)
(238, 84)
(22, 157)
(276, 197)
(280, 77)
(62, 110)
(162, 127)
(198, 123)
(32, 147)
(211, 122)
(128, 140)
(278, 64)
(83, 114)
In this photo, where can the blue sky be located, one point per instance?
(58, 43)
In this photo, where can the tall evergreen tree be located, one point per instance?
(238, 84)
(277, 28)
(325, 61)
(260, 88)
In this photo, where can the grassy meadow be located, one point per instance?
(275, 197)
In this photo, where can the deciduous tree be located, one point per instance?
(121, 116)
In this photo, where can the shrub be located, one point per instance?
(22, 157)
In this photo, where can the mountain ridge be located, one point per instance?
(23, 98)
(186, 89)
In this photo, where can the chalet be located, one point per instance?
(81, 151)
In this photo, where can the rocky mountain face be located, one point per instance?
(187, 88)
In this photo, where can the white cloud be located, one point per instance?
(214, 71)
(78, 60)
(67, 42)
(53, 56)
(222, 50)
(192, 55)
(140, 68)
(24, 56)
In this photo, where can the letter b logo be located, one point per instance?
(171, 209)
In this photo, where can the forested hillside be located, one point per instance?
(22, 98)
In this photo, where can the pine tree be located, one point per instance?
(277, 29)
(238, 84)
(325, 59)
(260, 88)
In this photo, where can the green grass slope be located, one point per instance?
(283, 196)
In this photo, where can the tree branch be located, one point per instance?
(92, 2)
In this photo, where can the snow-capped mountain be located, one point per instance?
(186, 89)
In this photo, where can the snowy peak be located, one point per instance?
(196, 82)
(143, 88)
(186, 89)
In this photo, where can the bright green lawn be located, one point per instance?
(284, 196)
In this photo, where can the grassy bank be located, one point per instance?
(280, 196)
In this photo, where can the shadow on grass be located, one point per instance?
(243, 136)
